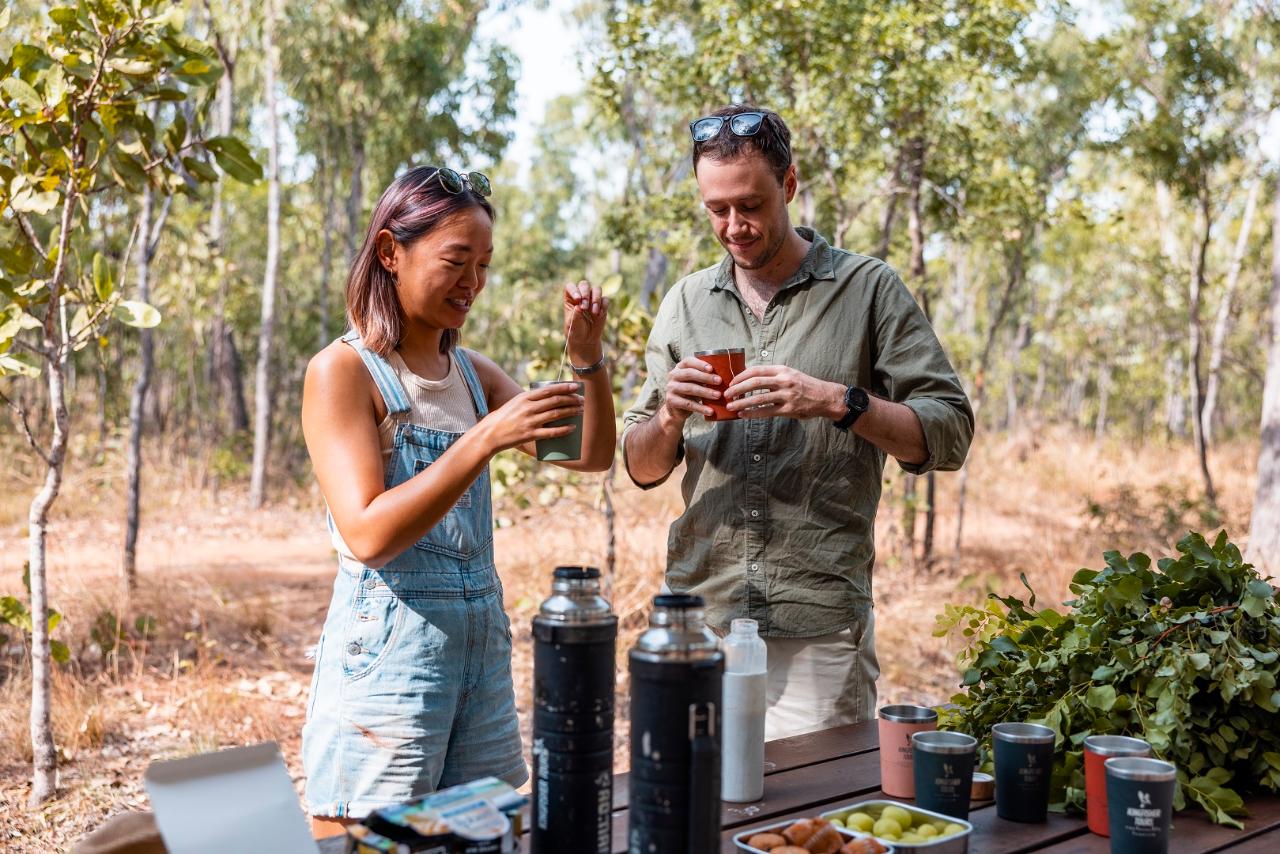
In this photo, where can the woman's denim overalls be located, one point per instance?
(412, 687)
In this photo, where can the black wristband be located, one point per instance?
(856, 402)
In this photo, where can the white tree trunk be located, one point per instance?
(1222, 323)
(44, 772)
(262, 379)
(1264, 530)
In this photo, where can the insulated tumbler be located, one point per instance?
(1024, 765)
(943, 766)
(1140, 804)
(1097, 750)
(574, 634)
(897, 725)
(561, 448)
(726, 363)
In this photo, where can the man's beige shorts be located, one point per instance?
(821, 682)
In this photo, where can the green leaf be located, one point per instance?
(14, 612)
(102, 283)
(132, 67)
(200, 169)
(1101, 697)
(29, 201)
(21, 364)
(63, 16)
(128, 171)
(139, 314)
(235, 159)
(20, 90)
(1199, 660)
(60, 651)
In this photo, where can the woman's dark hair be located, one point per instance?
(415, 204)
(773, 141)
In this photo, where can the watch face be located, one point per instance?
(856, 400)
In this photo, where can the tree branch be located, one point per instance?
(20, 414)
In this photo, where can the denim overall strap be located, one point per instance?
(473, 382)
(384, 376)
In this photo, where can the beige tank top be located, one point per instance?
(436, 404)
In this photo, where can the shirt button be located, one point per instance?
(755, 457)
(354, 648)
(754, 567)
(764, 354)
(755, 512)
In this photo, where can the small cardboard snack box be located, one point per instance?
(481, 817)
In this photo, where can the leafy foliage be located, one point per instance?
(1185, 654)
(14, 613)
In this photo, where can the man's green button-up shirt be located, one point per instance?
(780, 513)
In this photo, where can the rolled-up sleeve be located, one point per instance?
(660, 356)
(913, 369)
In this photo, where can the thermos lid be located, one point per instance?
(577, 573)
(676, 630)
(575, 596)
(678, 600)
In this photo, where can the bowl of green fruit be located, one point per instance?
(906, 827)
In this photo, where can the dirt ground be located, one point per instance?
(211, 651)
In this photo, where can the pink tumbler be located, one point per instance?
(897, 724)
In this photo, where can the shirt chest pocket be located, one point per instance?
(464, 531)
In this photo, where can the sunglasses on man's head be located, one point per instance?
(455, 183)
(740, 124)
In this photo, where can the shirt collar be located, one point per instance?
(818, 263)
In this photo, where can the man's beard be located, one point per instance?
(768, 255)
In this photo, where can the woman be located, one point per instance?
(412, 688)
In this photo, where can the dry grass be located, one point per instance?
(237, 598)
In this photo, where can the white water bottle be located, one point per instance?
(745, 681)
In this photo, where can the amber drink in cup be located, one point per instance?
(725, 363)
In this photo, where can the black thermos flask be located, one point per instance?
(574, 638)
(677, 678)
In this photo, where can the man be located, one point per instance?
(842, 369)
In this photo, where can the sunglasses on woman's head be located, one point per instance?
(455, 183)
(741, 124)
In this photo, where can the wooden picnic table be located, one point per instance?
(820, 771)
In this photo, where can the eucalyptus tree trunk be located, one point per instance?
(1104, 393)
(1012, 284)
(1226, 308)
(327, 178)
(137, 401)
(1196, 339)
(262, 377)
(1264, 529)
(355, 194)
(224, 366)
(914, 155)
(44, 775)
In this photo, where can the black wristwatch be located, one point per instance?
(856, 403)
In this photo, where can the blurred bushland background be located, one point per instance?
(1082, 194)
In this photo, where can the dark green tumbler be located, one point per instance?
(1024, 765)
(943, 767)
(561, 448)
(1140, 804)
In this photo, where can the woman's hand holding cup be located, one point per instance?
(525, 417)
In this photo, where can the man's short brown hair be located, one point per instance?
(772, 141)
